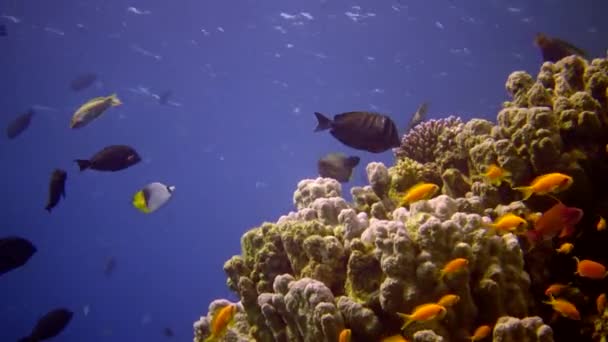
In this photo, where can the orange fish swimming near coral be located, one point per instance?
(420, 191)
(559, 220)
(448, 300)
(600, 303)
(564, 308)
(424, 312)
(345, 335)
(601, 224)
(453, 266)
(480, 333)
(220, 321)
(546, 184)
(590, 269)
(508, 223)
(495, 175)
(555, 289)
(565, 248)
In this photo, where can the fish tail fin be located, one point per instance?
(406, 318)
(83, 164)
(526, 191)
(323, 122)
(115, 100)
(353, 161)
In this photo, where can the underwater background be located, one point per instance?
(235, 137)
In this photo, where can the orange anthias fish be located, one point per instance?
(394, 338)
(600, 303)
(555, 289)
(508, 222)
(564, 308)
(220, 321)
(419, 192)
(546, 184)
(448, 300)
(345, 335)
(601, 224)
(558, 220)
(495, 175)
(481, 333)
(565, 248)
(453, 266)
(424, 312)
(590, 269)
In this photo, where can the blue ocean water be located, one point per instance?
(236, 137)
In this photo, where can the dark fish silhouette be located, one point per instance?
(14, 253)
(3, 32)
(554, 49)
(337, 166)
(361, 130)
(109, 267)
(56, 188)
(111, 158)
(163, 98)
(50, 325)
(19, 124)
(168, 332)
(418, 117)
(83, 81)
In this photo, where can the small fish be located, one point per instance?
(93, 109)
(565, 248)
(600, 303)
(453, 266)
(424, 312)
(418, 117)
(111, 158)
(83, 81)
(56, 188)
(168, 332)
(19, 124)
(14, 253)
(420, 191)
(590, 269)
(337, 166)
(50, 325)
(545, 184)
(220, 321)
(554, 49)
(448, 300)
(152, 197)
(345, 335)
(480, 333)
(495, 175)
(508, 222)
(394, 338)
(559, 219)
(109, 267)
(555, 289)
(601, 224)
(364, 131)
(564, 308)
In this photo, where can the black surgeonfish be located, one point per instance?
(553, 49)
(19, 124)
(168, 332)
(83, 81)
(49, 325)
(14, 253)
(111, 158)
(56, 188)
(365, 131)
(337, 166)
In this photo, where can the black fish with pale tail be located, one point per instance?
(14, 253)
(19, 124)
(83, 81)
(111, 158)
(49, 325)
(337, 166)
(365, 131)
(56, 188)
(553, 49)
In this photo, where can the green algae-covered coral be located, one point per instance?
(331, 264)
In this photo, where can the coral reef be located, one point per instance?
(331, 264)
